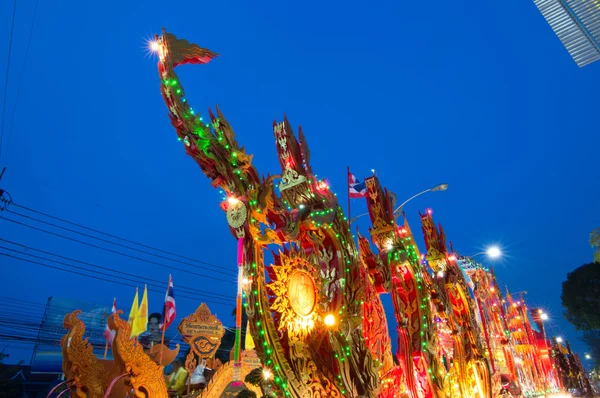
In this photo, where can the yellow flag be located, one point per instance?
(141, 321)
(249, 343)
(133, 313)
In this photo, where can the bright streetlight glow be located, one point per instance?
(493, 252)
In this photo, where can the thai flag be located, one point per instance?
(169, 308)
(356, 189)
(109, 335)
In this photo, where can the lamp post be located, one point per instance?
(492, 252)
(398, 210)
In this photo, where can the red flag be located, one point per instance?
(169, 311)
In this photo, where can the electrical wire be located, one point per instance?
(12, 118)
(99, 278)
(10, 43)
(114, 251)
(157, 286)
(119, 272)
(229, 271)
(117, 237)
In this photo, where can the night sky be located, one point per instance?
(479, 95)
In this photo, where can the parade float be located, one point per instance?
(315, 316)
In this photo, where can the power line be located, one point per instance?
(157, 282)
(98, 278)
(12, 118)
(114, 251)
(229, 272)
(12, 29)
(157, 286)
(116, 237)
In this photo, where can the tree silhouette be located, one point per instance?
(595, 242)
(255, 378)
(581, 297)
(246, 394)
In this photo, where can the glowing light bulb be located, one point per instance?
(493, 252)
(544, 316)
(233, 200)
(329, 320)
(559, 340)
(267, 374)
(154, 46)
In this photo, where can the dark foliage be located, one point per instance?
(581, 297)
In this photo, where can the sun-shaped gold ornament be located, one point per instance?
(298, 294)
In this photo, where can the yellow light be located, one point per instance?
(233, 200)
(267, 374)
(329, 320)
(154, 46)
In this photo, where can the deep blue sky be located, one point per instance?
(481, 95)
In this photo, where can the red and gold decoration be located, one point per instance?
(202, 331)
(316, 319)
(315, 313)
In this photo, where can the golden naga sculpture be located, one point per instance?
(88, 377)
(144, 377)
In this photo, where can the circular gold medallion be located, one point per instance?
(302, 293)
(236, 214)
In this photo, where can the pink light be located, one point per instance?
(429, 211)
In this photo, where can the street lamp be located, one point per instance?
(398, 210)
(440, 187)
(492, 252)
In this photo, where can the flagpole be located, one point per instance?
(348, 182)
(106, 343)
(162, 339)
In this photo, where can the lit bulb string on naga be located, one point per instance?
(315, 314)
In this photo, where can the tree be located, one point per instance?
(595, 242)
(246, 394)
(581, 297)
(256, 378)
